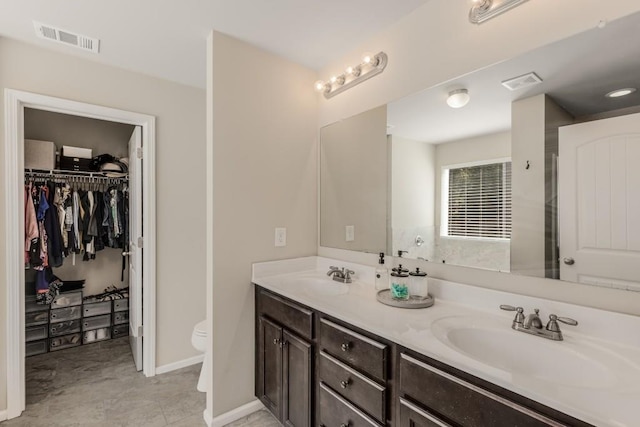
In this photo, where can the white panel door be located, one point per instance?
(135, 246)
(599, 202)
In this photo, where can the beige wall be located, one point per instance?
(180, 113)
(353, 182)
(455, 48)
(262, 133)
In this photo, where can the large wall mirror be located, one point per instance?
(536, 175)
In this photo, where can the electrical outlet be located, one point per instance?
(281, 236)
(350, 233)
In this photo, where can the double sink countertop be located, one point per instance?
(593, 375)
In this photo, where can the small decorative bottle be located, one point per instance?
(382, 274)
(400, 283)
(418, 286)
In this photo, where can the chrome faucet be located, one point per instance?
(532, 324)
(342, 275)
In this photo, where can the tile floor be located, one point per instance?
(97, 385)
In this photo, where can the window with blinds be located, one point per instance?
(479, 202)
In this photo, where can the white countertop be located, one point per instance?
(614, 405)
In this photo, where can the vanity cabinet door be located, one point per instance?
(296, 381)
(269, 366)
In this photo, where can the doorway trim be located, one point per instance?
(13, 174)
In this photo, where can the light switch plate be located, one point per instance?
(281, 236)
(350, 233)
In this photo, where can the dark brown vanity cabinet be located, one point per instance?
(284, 360)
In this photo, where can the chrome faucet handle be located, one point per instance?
(519, 312)
(553, 326)
(332, 270)
(348, 273)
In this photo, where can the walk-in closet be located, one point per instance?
(77, 246)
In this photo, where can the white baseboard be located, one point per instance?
(233, 415)
(3, 416)
(180, 364)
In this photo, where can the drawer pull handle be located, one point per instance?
(345, 384)
(348, 424)
(345, 346)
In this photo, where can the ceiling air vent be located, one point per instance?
(521, 82)
(66, 37)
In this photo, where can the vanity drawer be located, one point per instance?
(120, 331)
(460, 401)
(97, 308)
(120, 317)
(336, 411)
(363, 392)
(413, 416)
(69, 313)
(357, 350)
(35, 333)
(67, 299)
(34, 318)
(96, 322)
(121, 304)
(293, 316)
(64, 328)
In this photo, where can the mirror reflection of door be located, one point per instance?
(599, 191)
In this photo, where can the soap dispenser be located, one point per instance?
(382, 274)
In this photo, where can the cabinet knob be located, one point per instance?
(348, 424)
(276, 341)
(345, 384)
(345, 346)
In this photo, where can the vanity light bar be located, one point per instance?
(483, 10)
(370, 66)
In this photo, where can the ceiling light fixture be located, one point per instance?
(621, 92)
(458, 98)
(483, 10)
(370, 66)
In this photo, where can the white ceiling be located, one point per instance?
(577, 73)
(167, 39)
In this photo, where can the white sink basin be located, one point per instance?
(568, 363)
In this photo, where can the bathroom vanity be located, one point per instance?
(327, 354)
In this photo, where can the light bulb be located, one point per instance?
(333, 79)
(354, 71)
(620, 92)
(320, 86)
(458, 98)
(368, 58)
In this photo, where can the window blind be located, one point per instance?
(480, 201)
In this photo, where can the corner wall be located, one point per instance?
(262, 136)
(180, 113)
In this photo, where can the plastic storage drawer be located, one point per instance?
(36, 347)
(63, 314)
(121, 304)
(120, 331)
(35, 333)
(65, 341)
(67, 299)
(64, 328)
(96, 308)
(96, 322)
(120, 317)
(96, 335)
(36, 318)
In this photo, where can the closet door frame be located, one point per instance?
(13, 175)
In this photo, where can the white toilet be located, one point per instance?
(199, 342)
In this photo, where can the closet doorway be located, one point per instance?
(138, 252)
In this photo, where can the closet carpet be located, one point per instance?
(97, 385)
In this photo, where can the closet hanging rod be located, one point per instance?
(57, 173)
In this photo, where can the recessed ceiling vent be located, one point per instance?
(521, 82)
(66, 37)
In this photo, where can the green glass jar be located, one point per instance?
(400, 283)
